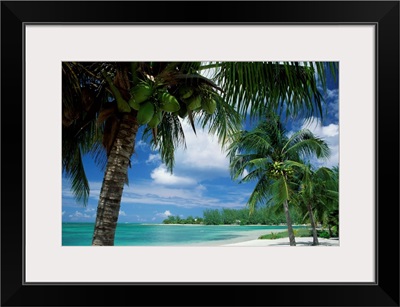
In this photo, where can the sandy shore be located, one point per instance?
(251, 239)
(303, 241)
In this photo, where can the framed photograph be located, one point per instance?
(112, 57)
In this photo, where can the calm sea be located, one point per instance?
(80, 234)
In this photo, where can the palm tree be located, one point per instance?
(105, 103)
(326, 209)
(267, 155)
(317, 193)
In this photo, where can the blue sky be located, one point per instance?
(201, 178)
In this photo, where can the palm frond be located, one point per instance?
(260, 194)
(252, 175)
(306, 144)
(82, 96)
(224, 122)
(75, 172)
(279, 190)
(269, 86)
(72, 166)
(169, 137)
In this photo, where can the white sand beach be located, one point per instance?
(302, 241)
(251, 239)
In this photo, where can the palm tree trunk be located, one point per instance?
(113, 181)
(313, 226)
(289, 224)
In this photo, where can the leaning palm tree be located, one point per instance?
(107, 102)
(267, 155)
(104, 104)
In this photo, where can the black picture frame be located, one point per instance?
(383, 14)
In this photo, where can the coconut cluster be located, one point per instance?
(277, 169)
(152, 102)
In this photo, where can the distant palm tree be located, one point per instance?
(105, 103)
(326, 208)
(317, 193)
(267, 155)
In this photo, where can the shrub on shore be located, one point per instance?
(284, 234)
(298, 233)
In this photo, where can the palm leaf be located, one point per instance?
(259, 194)
(169, 137)
(305, 143)
(224, 122)
(272, 85)
(279, 191)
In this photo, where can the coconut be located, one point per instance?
(134, 104)
(142, 92)
(145, 113)
(185, 92)
(168, 102)
(157, 117)
(194, 102)
(209, 106)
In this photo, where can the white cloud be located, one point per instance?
(122, 213)
(134, 161)
(203, 158)
(164, 214)
(332, 94)
(330, 134)
(186, 197)
(89, 209)
(332, 99)
(153, 159)
(160, 175)
(147, 192)
(203, 151)
(200, 187)
(141, 145)
(245, 173)
(67, 192)
(63, 212)
(140, 219)
(79, 215)
(330, 130)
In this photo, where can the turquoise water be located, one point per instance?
(80, 234)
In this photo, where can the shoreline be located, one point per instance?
(225, 225)
(242, 239)
(251, 240)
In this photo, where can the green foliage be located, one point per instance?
(273, 235)
(268, 86)
(229, 216)
(301, 232)
(323, 234)
(273, 159)
(318, 189)
(226, 216)
(212, 217)
(178, 220)
(333, 221)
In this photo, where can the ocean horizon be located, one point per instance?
(140, 234)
